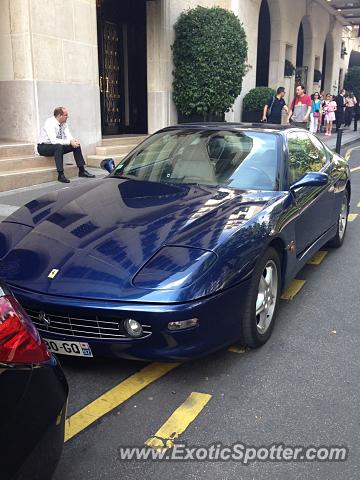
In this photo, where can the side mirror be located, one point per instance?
(108, 164)
(311, 179)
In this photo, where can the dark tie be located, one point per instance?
(61, 131)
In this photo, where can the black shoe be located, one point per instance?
(62, 178)
(84, 173)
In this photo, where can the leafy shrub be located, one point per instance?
(256, 98)
(352, 81)
(289, 69)
(317, 76)
(209, 54)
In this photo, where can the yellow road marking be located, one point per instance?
(318, 257)
(178, 422)
(354, 169)
(115, 397)
(358, 205)
(237, 349)
(293, 289)
(349, 152)
(352, 217)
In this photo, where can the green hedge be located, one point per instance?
(255, 99)
(289, 69)
(317, 76)
(352, 81)
(209, 54)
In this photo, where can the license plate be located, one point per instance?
(77, 349)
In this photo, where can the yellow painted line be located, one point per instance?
(318, 257)
(354, 169)
(115, 397)
(237, 349)
(293, 289)
(358, 205)
(178, 422)
(352, 217)
(350, 151)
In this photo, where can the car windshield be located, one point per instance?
(236, 159)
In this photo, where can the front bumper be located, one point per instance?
(219, 323)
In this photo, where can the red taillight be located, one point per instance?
(19, 339)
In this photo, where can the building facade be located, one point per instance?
(110, 61)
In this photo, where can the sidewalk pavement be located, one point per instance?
(348, 137)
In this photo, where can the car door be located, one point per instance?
(315, 204)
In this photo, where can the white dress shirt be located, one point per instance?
(54, 132)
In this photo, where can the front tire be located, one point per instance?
(259, 315)
(338, 240)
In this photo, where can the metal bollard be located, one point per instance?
(338, 140)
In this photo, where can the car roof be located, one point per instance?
(261, 127)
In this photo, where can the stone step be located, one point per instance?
(95, 160)
(10, 180)
(115, 149)
(16, 149)
(26, 162)
(123, 140)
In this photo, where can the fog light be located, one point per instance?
(133, 327)
(180, 325)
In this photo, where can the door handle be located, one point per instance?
(107, 84)
(100, 84)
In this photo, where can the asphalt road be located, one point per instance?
(301, 388)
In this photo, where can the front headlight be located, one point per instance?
(174, 267)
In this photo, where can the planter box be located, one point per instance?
(251, 117)
(196, 118)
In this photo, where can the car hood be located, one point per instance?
(95, 238)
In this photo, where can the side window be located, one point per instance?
(318, 153)
(306, 154)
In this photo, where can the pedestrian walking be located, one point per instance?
(300, 108)
(329, 111)
(56, 140)
(340, 109)
(272, 112)
(321, 119)
(350, 103)
(316, 112)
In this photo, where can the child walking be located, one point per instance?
(329, 110)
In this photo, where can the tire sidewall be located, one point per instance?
(250, 334)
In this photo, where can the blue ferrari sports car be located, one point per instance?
(184, 248)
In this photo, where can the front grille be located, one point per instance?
(92, 327)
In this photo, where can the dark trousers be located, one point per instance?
(58, 151)
(340, 118)
(349, 113)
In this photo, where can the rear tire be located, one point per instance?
(338, 240)
(263, 298)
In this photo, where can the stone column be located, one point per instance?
(17, 89)
(161, 111)
(49, 52)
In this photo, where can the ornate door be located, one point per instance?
(111, 77)
(122, 66)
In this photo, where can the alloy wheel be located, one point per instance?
(267, 297)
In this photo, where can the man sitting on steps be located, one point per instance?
(56, 140)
